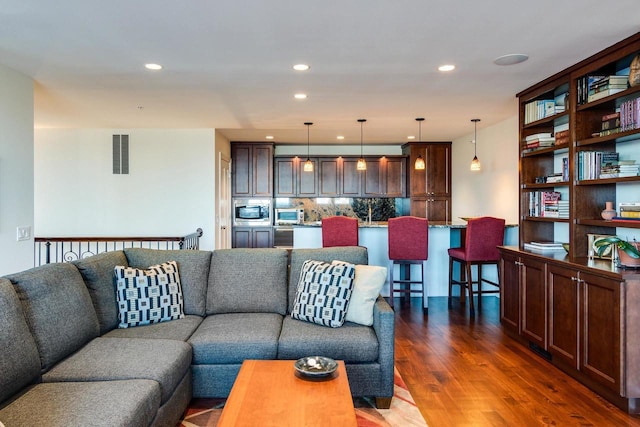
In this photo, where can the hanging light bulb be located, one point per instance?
(419, 163)
(475, 163)
(308, 165)
(362, 164)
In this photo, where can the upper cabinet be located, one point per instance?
(252, 170)
(338, 177)
(430, 188)
(580, 148)
(291, 180)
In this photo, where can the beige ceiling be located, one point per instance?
(227, 64)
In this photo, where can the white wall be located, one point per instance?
(16, 169)
(494, 189)
(169, 190)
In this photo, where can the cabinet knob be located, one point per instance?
(575, 279)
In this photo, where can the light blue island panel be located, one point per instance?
(442, 236)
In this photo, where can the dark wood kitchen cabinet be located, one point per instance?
(291, 180)
(252, 237)
(385, 177)
(580, 314)
(430, 189)
(251, 169)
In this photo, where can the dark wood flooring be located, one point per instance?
(464, 372)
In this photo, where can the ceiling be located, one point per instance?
(228, 63)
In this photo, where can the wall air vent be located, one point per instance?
(120, 154)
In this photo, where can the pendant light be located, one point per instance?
(419, 164)
(475, 163)
(362, 164)
(308, 165)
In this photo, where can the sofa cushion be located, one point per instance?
(248, 281)
(350, 254)
(352, 343)
(180, 329)
(323, 293)
(58, 310)
(150, 295)
(99, 404)
(19, 360)
(164, 361)
(368, 282)
(97, 272)
(233, 337)
(194, 272)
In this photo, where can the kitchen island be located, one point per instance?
(374, 236)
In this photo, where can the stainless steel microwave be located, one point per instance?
(288, 216)
(252, 212)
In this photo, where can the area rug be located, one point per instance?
(402, 413)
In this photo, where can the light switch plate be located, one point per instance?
(23, 233)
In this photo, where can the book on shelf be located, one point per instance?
(542, 249)
(546, 243)
(604, 94)
(629, 220)
(583, 84)
(630, 114)
(537, 110)
(629, 210)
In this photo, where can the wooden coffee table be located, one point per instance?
(271, 393)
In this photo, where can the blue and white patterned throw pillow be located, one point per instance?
(148, 296)
(323, 293)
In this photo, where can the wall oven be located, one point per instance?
(253, 212)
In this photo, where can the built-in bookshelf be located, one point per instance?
(580, 146)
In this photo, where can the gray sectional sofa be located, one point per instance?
(64, 361)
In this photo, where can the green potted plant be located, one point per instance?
(628, 252)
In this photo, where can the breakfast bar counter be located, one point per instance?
(442, 236)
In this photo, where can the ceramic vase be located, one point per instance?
(608, 213)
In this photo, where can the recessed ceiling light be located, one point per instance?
(447, 67)
(301, 67)
(411, 137)
(340, 137)
(268, 137)
(511, 59)
(300, 96)
(153, 67)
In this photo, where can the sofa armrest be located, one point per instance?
(384, 326)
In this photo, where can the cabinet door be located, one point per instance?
(534, 302)
(329, 177)
(563, 288)
(284, 171)
(241, 168)
(600, 330)
(373, 178)
(438, 209)
(262, 237)
(307, 181)
(438, 170)
(418, 178)
(395, 177)
(351, 178)
(510, 292)
(262, 172)
(241, 237)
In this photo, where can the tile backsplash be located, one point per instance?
(317, 208)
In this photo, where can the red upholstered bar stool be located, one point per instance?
(483, 235)
(408, 245)
(339, 231)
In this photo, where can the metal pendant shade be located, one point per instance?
(475, 163)
(362, 164)
(308, 165)
(419, 164)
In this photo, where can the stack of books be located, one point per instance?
(540, 140)
(630, 114)
(627, 168)
(547, 204)
(607, 86)
(590, 164)
(610, 124)
(584, 83)
(538, 110)
(562, 137)
(629, 210)
(544, 246)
